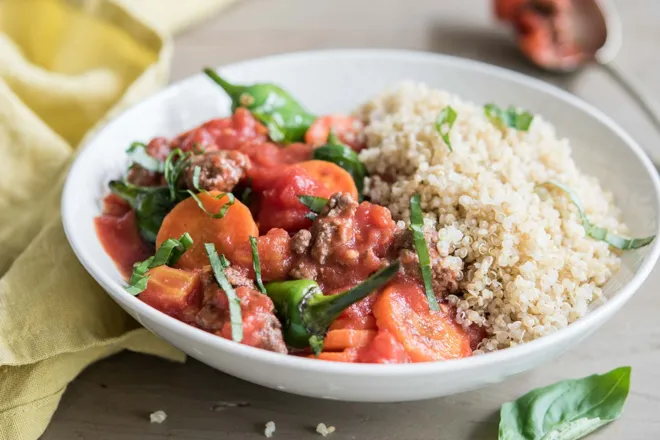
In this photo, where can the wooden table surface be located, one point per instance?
(112, 399)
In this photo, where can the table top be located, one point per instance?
(112, 399)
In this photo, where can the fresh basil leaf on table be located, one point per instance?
(567, 410)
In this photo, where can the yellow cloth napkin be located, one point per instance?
(65, 67)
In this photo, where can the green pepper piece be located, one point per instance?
(306, 313)
(151, 205)
(286, 119)
(344, 156)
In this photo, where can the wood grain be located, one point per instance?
(112, 399)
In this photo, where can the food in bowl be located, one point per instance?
(420, 228)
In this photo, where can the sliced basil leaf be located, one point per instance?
(315, 204)
(567, 410)
(446, 118)
(596, 232)
(512, 117)
(421, 247)
(175, 163)
(223, 210)
(197, 171)
(218, 269)
(137, 153)
(168, 254)
(256, 264)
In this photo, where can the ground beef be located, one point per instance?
(347, 243)
(261, 327)
(137, 175)
(220, 170)
(301, 241)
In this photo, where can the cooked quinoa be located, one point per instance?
(524, 265)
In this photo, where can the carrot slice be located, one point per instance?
(332, 176)
(427, 335)
(227, 233)
(172, 291)
(347, 129)
(337, 340)
(349, 355)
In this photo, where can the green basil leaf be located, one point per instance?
(511, 117)
(137, 153)
(596, 232)
(256, 264)
(223, 210)
(444, 123)
(315, 204)
(218, 268)
(175, 163)
(567, 410)
(167, 254)
(421, 247)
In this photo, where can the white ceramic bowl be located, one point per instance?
(336, 81)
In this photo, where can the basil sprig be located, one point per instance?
(167, 254)
(218, 265)
(596, 232)
(315, 204)
(137, 153)
(421, 247)
(567, 410)
(256, 264)
(512, 117)
(444, 122)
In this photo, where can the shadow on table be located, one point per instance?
(490, 46)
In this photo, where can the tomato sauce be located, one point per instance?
(395, 325)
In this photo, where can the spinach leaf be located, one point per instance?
(151, 205)
(567, 410)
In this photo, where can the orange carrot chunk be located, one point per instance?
(175, 292)
(332, 176)
(227, 233)
(427, 335)
(349, 355)
(337, 340)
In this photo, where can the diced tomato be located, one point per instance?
(384, 349)
(347, 128)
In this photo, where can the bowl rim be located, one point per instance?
(593, 318)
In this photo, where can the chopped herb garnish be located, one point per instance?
(223, 209)
(421, 247)
(195, 179)
(596, 232)
(511, 117)
(175, 163)
(315, 204)
(256, 264)
(137, 153)
(218, 268)
(167, 254)
(444, 123)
